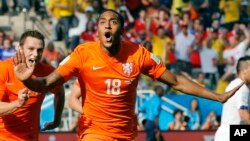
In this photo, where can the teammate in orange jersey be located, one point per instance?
(20, 107)
(108, 71)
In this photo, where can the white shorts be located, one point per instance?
(222, 133)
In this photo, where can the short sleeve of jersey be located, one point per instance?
(242, 97)
(151, 64)
(70, 65)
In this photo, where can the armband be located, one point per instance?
(244, 107)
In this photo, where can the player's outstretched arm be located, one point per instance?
(187, 86)
(7, 108)
(24, 69)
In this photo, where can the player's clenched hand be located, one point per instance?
(23, 68)
(224, 97)
(50, 125)
(23, 96)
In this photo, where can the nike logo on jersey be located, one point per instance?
(97, 67)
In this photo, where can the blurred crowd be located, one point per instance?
(202, 39)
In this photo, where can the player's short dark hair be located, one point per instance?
(31, 33)
(119, 16)
(241, 64)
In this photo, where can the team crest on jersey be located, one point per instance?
(127, 68)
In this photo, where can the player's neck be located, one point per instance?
(111, 51)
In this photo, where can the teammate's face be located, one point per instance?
(33, 49)
(109, 29)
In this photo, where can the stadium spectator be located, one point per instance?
(128, 18)
(20, 107)
(98, 8)
(110, 68)
(184, 42)
(211, 123)
(218, 42)
(209, 61)
(194, 115)
(163, 19)
(83, 4)
(178, 123)
(84, 18)
(231, 12)
(66, 10)
(236, 49)
(152, 108)
(90, 33)
(8, 50)
(51, 56)
(161, 44)
(54, 13)
(236, 110)
(141, 21)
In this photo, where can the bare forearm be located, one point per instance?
(43, 84)
(8, 108)
(187, 86)
(59, 104)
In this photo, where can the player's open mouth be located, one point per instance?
(108, 36)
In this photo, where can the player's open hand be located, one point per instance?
(23, 96)
(224, 97)
(22, 69)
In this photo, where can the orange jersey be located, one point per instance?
(22, 124)
(110, 84)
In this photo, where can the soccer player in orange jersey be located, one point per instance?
(19, 106)
(108, 71)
